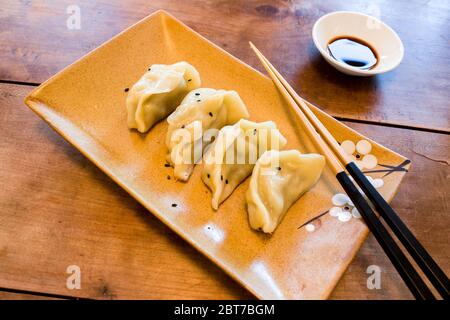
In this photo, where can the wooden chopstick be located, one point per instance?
(311, 124)
(423, 259)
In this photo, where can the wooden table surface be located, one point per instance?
(57, 209)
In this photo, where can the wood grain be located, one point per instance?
(35, 43)
(58, 209)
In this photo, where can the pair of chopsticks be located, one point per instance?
(338, 160)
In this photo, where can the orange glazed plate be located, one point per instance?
(85, 103)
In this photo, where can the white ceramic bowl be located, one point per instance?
(380, 36)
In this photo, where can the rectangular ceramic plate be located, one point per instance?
(85, 103)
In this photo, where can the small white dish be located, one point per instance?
(379, 35)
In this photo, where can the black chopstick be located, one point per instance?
(425, 262)
(401, 263)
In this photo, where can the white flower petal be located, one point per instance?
(344, 216)
(339, 199)
(334, 211)
(372, 181)
(356, 214)
(363, 147)
(310, 227)
(348, 146)
(378, 183)
(359, 164)
(369, 161)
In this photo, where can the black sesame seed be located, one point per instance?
(197, 94)
(174, 205)
(126, 89)
(347, 208)
(183, 126)
(166, 165)
(221, 178)
(149, 69)
(279, 168)
(208, 175)
(189, 80)
(254, 131)
(226, 181)
(168, 177)
(358, 156)
(210, 114)
(199, 100)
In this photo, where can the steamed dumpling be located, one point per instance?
(278, 180)
(201, 110)
(158, 92)
(231, 158)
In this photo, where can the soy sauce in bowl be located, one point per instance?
(353, 52)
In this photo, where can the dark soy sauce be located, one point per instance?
(353, 52)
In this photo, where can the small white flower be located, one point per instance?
(343, 208)
(360, 153)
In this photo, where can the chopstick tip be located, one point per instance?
(253, 48)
